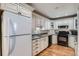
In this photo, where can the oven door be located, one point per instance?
(63, 40)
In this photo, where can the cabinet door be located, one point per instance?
(71, 24)
(71, 42)
(54, 39)
(75, 23)
(39, 45)
(25, 11)
(55, 25)
(35, 52)
(42, 22)
(33, 22)
(38, 21)
(45, 42)
(46, 24)
(42, 44)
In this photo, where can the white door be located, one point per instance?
(17, 23)
(17, 46)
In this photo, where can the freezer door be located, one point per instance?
(18, 46)
(15, 24)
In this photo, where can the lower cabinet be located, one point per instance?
(54, 39)
(39, 45)
(72, 41)
(35, 46)
(43, 43)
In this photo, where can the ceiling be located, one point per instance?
(54, 10)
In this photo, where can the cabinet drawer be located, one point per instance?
(35, 44)
(54, 39)
(34, 41)
(35, 52)
(35, 48)
(71, 41)
(10, 7)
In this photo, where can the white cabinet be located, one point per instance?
(44, 43)
(33, 23)
(24, 11)
(55, 25)
(71, 23)
(39, 45)
(36, 20)
(41, 21)
(13, 7)
(66, 21)
(38, 24)
(36, 46)
(72, 41)
(47, 24)
(54, 39)
(75, 21)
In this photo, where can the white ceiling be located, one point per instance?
(53, 10)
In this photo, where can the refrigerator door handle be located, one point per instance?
(13, 39)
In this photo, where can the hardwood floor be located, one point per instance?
(57, 50)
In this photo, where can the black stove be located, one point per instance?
(62, 38)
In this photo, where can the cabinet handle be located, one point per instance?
(35, 48)
(35, 41)
(35, 45)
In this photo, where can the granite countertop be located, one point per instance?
(39, 35)
(72, 35)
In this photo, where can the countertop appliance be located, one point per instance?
(16, 35)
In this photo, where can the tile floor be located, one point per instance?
(57, 50)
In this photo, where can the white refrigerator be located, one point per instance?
(16, 35)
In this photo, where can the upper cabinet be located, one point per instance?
(75, 21)
(33, 22)
(19, 8)
(22, 8)
(71, 22)
(10, 7)
(39, 21)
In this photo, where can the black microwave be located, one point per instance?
(63, 26)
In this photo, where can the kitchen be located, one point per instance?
(42, 30)
(59, 24)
